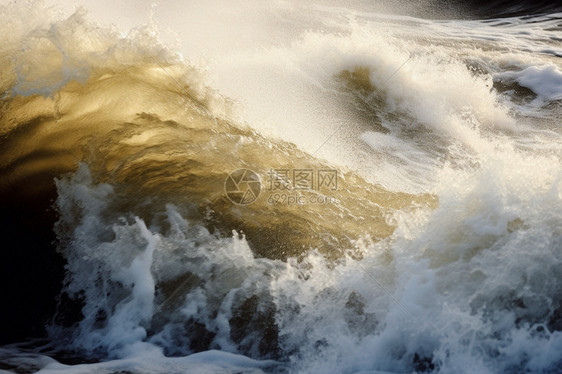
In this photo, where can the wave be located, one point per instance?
(502, 8)
(145, 125)
(138, 129)
(403, 218)
(457, 9)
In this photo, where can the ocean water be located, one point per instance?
(281, 187)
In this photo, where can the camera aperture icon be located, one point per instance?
(242, 186)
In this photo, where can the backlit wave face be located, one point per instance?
(357, 192)
(146, 128)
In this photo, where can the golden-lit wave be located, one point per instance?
(157, 141)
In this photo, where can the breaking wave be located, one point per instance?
(434, 248)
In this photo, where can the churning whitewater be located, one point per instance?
(255, 187)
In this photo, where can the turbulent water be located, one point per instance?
(282, 187)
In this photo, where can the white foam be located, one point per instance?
(545, 81)
(150, 359)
